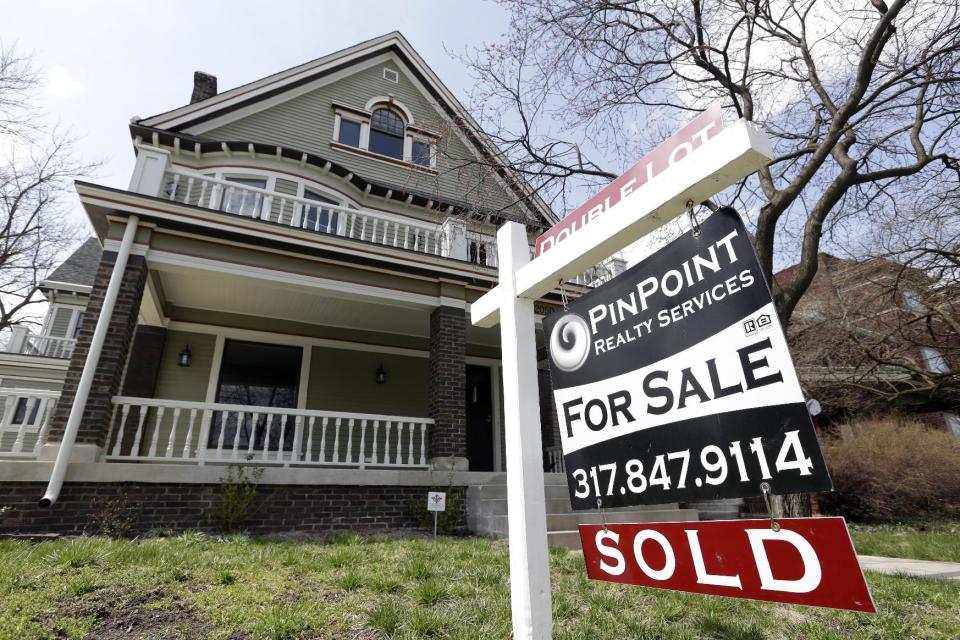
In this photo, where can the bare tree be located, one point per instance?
(892, 333)
(856, 99)
(36, 171)
(860, 102)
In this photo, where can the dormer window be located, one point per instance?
(384, 129)
(386, 133)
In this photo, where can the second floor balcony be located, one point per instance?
(24, 342)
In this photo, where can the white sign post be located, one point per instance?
(735, 152)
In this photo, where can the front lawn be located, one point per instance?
(918, 540)
(193, 586)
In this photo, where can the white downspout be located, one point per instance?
(90, 366)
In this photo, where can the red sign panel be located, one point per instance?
(810, 561)
(666, 154)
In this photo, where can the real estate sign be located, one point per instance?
(673, 382)
(809, 561)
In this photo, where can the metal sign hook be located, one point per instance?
(765, 488)
(603, 515)
(694, 223)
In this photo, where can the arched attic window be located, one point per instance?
(387, 132)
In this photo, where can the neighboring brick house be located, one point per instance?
(858, 321)
(296, 259)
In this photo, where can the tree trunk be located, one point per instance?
(792, 505)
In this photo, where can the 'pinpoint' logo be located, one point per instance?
(570, 342)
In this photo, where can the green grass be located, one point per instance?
(192, 586)
(917, 540)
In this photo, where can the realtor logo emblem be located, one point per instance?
(753, 325)
(570, 342)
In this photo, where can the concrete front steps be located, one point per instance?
(487, 511)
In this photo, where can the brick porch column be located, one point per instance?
(448, 378)
(96, 418)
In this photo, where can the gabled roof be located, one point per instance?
(182, 118)
(81, 267)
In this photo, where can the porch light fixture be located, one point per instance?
(381, 375)
(185, 357)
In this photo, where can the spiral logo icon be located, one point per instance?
(570, 342)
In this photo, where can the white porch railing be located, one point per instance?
(145, 429)
(25, 422)
(553, 459)
(302, 213)
(482, 249)
(24, 342)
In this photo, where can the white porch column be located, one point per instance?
(90, 365)
(454, 244)
(18, 335)
(526, 505)
(147, 177)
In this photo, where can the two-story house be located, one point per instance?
(284, 284)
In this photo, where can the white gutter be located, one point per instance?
(90, 366)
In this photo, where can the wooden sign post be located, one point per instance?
(716, 163)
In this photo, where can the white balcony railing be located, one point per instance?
(378, 227)
(302, 213)
(145, 429)
(25, 422)
(26, 343)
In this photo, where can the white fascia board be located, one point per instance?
(737, 151)
(65, 286)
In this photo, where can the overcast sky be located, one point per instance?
(106, 61)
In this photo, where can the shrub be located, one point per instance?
(449, 522)
(115, 517)
(892, 468)
(238, 496)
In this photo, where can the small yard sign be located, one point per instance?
(673, 382)
(809, 561)
(436, 501)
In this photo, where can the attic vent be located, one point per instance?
(391, 75)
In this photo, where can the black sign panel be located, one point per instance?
(673, 382)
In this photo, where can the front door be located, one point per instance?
(479, 418)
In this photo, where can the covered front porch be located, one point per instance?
(252, 365)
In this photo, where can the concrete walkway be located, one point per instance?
(915, 568)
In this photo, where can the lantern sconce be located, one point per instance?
(185, 357)
(381, 375)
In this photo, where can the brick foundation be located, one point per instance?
(181, 507)
(448, 379)
(106, 382)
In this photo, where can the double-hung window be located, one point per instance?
(242, 201)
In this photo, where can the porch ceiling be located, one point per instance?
(246, 296)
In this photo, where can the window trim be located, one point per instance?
(411, 133)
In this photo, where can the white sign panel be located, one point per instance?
(436, 501)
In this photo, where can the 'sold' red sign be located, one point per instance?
(810, 561)
(666, 154)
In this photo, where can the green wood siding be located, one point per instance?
(343, 380)
(306, 123)
(177, 383)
